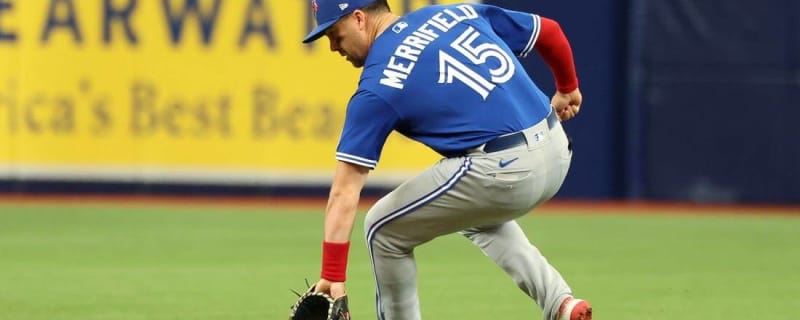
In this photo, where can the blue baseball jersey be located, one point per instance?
(446, 76)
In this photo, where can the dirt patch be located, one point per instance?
(558, 206)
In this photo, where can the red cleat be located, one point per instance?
(574, 309)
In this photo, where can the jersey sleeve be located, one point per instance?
(368, 122)
(519, 30)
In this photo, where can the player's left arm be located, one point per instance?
(368, 122)
(348, 180)
(340, 213)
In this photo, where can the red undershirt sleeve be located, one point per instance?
(556, 52)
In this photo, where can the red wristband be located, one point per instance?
(334, 261)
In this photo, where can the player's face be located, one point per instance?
(348, 38)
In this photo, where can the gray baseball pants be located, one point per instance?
(477, 197)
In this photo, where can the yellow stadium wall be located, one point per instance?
(176, 91)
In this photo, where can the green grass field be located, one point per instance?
(181, 262)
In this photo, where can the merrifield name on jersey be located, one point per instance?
(406, 54)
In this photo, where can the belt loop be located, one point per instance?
(476, 149)
(552, 118)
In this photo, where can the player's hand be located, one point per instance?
(334, 289)
(567, 104)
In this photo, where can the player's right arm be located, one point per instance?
(553, 46)
(567, 104)
(522, 32)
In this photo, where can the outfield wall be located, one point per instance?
(682, 102)
(200, 92)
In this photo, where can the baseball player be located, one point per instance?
(448, 77)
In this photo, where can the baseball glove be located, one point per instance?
(319, 306)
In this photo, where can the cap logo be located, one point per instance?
(314, 6)
(343, 6)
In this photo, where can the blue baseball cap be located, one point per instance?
(327, 12)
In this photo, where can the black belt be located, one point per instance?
(517, 138)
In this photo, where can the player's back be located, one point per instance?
(454, 82)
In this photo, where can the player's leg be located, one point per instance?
(454, 195)
(391, 236)
(507, 245)
(449, 197)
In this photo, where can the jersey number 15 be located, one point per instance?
(451, 68)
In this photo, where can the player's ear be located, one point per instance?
(360, 19)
